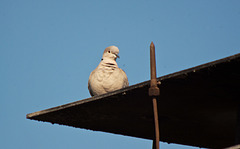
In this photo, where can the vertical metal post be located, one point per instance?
(154, 92)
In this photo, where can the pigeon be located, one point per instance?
(107, 77)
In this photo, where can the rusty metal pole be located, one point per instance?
(154, 92)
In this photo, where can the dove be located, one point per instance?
(107, 77)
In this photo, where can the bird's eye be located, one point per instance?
(108, 51)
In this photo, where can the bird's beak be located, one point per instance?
(117, 56)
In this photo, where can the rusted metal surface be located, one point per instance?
(154, 93)
(156, 124)
(198, 107)
(153, 90)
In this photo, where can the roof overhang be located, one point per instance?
(197, 107)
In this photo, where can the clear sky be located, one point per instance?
(48, 49)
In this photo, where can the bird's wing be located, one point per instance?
(95, 82)
(89, 86)
(125, 79)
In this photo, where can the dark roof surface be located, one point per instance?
(197, 107)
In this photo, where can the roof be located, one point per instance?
(197, 107)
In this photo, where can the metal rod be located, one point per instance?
(154, 93)
(153, 63)
(157, 135)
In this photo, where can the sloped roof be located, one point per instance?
(197, 107)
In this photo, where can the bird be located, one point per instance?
(107, 77)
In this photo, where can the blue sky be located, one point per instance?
(48, 49)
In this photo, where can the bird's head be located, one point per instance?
(111, 52)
